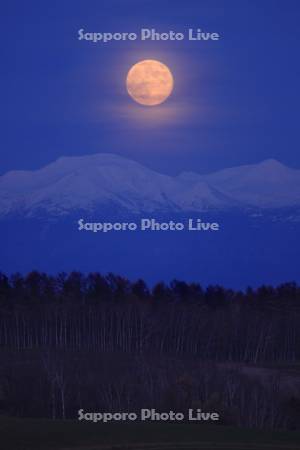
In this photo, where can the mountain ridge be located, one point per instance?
(91, 181)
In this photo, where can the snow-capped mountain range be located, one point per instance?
(91, 182)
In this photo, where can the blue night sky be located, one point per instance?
(236, 101)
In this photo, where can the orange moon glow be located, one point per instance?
(149, 82)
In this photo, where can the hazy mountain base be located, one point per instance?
(249, 249)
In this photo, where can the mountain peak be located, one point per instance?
(100, 180)
(272, 163)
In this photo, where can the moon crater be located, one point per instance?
(149, 82)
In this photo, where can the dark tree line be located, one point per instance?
(105, 343)
(112, 314)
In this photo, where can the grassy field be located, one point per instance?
(30, 434)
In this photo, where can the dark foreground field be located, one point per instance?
(27, 434)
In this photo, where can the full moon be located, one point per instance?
(149, 82)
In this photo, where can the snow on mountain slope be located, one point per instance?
(268, 184)
(91, 182)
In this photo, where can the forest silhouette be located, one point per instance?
(104, 343)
